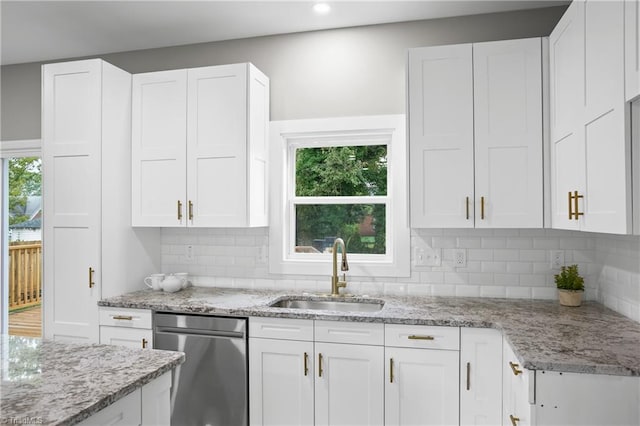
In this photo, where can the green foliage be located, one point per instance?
(569, 278)
(341, 171)
(25, 179)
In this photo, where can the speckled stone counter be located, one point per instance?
(52, 383)
(543, 334)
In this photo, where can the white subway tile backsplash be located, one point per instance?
(513, 263)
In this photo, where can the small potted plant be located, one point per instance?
(570, 286)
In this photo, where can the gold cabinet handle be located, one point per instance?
(467, 207)
(418, 337)
(576, 209)
(468, 375)
(144, 343)
(179, 210)
(390, 370)
(514, 368)
(306, 364)
(319, 365)
(482, 208)
(122, 317)
(514, 420)
(570, 205)
(91, 272)
(190, 210)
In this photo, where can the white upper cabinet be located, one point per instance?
(441, 136)
(590, 146)
(508, 133)
(199, 147)
(159, 172)
(475, 127)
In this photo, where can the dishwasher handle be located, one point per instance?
(201, 333)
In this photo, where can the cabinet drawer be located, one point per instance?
(421, 336)
(281, 328)
(359, 333)
(122, 317)
(129, 337)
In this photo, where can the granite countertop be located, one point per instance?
(53, 383)
(543, 334)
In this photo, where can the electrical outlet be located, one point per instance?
(460, 258)
(188, 253)
(557, 259)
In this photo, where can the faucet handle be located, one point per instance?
(343, 283)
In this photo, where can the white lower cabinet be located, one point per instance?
(480, 376)
(312, 372)
(349, 384)
(281, 382)
(126, 327)
(146, 406)
(296, 381)
(518, 391)
(421, 380)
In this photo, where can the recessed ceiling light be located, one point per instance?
(321, 8)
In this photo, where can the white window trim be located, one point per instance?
(9, 149)
(284, 134)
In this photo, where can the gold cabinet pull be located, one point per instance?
(306, 364)
(576, 209)
(467, 207)
(91, 272)
(390, 370)
(482, 208)
(514, 420)
(319, 365)
(179, 210)
(514, 368)
(144, 343)
(468, 375)
(418, 337)
(123, 317)
(570, 206)
(190, 210)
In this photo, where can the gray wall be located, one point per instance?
(353, 71)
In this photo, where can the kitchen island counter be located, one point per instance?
(544, 335)
(53, 383)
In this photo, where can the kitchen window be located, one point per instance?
(340, 177)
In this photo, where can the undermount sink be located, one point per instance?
(330, 305)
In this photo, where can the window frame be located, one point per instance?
(10, 149)
(286, 137)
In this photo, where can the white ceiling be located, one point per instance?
(46, 30)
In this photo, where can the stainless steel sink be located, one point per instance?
(330, 305)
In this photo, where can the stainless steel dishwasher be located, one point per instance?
(211, 387)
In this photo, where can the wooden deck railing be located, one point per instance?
(25, 274)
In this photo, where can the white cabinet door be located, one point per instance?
(441, 136)
(217, 145)
(71, 147)
(607, 196)
(590, 152)
(130, 337)
(480, 376)
(421, 386)
(159, 124)
(517, 391)
(281, 382)
(566, 78)
(349, 388)
(156, 402)
(507, 100)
